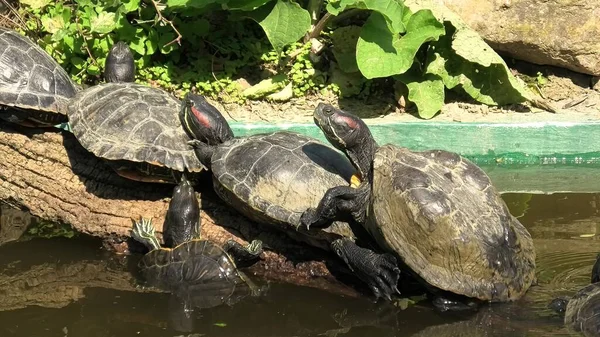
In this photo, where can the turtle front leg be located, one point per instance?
(244, 256)
(203, 151)
(338, 203)
(143, 232)
(379, 271)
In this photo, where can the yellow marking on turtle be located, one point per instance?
(355, 181)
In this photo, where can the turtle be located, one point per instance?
(135, 128)
(119, 65)
(582, 310)
(34, 88)
(270, 178)
(187, 260)
(435, 211)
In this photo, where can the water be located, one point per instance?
(72, 287)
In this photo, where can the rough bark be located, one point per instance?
(55, 178)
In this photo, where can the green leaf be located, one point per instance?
(463, 58)
(266, 86)
(53, 24)
(244, 5)
(427, 92)
(103, 23)
(139, 43)
(284, 23)
(344, 47)
(393, 10)
(93, 69)
(194, 28)
(190, 3)
(382, 53)
(164, 40)
(78, 62)
(130, 5)
(36, 4)
(151, 42)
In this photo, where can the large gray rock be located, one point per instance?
(564, 33)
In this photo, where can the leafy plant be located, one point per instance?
(204, 45)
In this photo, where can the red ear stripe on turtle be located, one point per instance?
(351, 122)
(201, 118)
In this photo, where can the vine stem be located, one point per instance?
(160, 17)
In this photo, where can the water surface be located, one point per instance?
(72, 287)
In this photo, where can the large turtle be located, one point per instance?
(270, 178)
(582, 310)
(434, 210)
(34, 88)
(135, 128)
(188, 260)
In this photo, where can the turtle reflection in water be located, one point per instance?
(198, 273)
(582, 311)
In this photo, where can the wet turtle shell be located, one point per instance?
(441, 215)
(273, 178)
(583, 311)
(193, 262)
(33, 85)
(133, 123)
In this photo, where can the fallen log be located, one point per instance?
(50, 174)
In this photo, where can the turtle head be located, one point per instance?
(202, 121)
(119, 65)
(349, 134)
(182, 222)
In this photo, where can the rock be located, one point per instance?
(547, 32)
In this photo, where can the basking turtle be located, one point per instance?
(135, 128)
(434, 210)
(582, 311)
(189, 261)
(270, 178)
(34, 88)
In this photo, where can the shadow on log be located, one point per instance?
(55, 178)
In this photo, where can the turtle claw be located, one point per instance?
(194, 143)
(308, 218)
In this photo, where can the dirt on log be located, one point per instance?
(50, 174)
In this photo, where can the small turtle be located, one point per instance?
(119, 65)
(135, 128)
(582, 311)
(34, 88)
(434, 210)
(189, 261)
(270, 178)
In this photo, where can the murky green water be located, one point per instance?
(62, 287)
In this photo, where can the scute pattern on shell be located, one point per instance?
(134, 122)
(441, 215)
(280, 174)
(193, 262)
(30, 78)
(583, 313)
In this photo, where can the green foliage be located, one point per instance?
(48, 230)
(207, 45)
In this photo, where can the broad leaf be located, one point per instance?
(190, 3)
(244, 5)
(103, 23)
(393, 10)
(344, 47)
(426, 92)
(130, 5)
(382, 53)
(284, 22)
(36, 4)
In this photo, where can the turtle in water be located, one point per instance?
(270, 178)
(582, 310)
(34, 88)
(135, 128)
(437, 212)
(186, 259)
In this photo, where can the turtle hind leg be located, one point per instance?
(143, 232)
(244, 256)
(379, 271)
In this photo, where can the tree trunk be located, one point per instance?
(55, 178)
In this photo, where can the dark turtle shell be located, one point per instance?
(128, 122)
(273, 178)
(32, 84)
(191, 263)
(441, 215)
(583, 311)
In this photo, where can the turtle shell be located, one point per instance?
(273, 178)
(583, 311)
(132, 122)
(32, 81)
(191, 263)
(443, 218)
